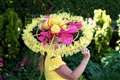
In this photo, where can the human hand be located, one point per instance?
(85, 52)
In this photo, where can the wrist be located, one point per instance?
(87, 57)
(85, 60)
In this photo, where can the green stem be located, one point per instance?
(36, 34)
(76, 36)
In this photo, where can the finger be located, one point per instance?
(86, 50)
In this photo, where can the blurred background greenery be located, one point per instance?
(17, 62)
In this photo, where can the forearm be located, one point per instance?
(65, 72)
(80, 69)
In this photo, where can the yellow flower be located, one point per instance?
(45, 25)
(55, 29)
(55, 20)
(64, 27)
(61, 23)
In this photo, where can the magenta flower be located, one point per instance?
(74, 27)
(45, 36)
(66, 36)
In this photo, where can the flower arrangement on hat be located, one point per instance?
(58, 34)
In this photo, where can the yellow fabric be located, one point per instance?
(52, 63)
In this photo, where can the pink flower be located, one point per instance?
(66, 36)
(45, 36)
(46, 18)
(74, 27)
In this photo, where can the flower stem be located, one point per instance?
(76, 36)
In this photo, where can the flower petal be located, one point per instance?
(45, 36)
(41, 38)
(66, 38)
(72, 30)
(76, 24)
(73, 27)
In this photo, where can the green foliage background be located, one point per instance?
(15, 14)
(80, 7)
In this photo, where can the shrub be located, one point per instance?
(118, 30)
(10, 28)
(102, 35)
(108, 70)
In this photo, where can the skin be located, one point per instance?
(65, 72)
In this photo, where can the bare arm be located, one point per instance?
(68, 74)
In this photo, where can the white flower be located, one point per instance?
(18, 29)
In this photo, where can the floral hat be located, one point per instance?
(58, 34)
